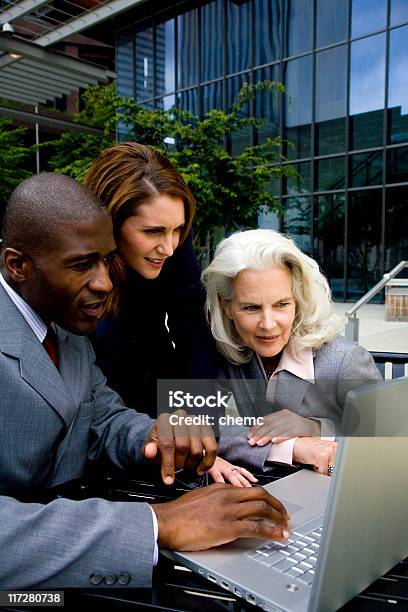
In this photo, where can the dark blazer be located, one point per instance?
(136, 348)
(51, 421)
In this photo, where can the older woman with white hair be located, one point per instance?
(271, 315)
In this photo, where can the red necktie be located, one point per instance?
(50, 343)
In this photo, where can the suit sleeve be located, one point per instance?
(67, 543)
(356, 369)
(233, 446)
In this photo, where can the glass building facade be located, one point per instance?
(344, 64)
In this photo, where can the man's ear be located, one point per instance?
(16, 264)
(226, 306)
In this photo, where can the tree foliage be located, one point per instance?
(75, 151)
(230, 190)
(14, 155)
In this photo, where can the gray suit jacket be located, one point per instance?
(50, 422)
(339, 365)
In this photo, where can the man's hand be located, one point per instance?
(218, 514)
(180, 446)
(316, 452)
(282, 424)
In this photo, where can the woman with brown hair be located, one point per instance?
(154, 326)
(151, 206)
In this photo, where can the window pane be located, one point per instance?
(234, 84)
(237, 36)
(274, 187)
(331, 21)
(367, 91)
(331, 74)
(241, 138)
(267, 31)
(330, 174)
(298, 106)
(301, 183)
(212, 40)
(165, 58)
(368, 16)
(212, 96)
(187, 35)
(396, 223)
(268, 220)
(297, 27)
(267, 105)
(398, 85)
(148, 105)
(188, 100)
(367, 74)
(366, 130)
(166, 103)
(124, 64)
(331, 79)
(144, 64)
(296, 221)
(298, 141)
(123, 132)
(329, 239)
(397, 165)
(330, 136)
(364, 231)
(399, 11)
(366, 169)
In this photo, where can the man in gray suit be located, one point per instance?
(56, 411)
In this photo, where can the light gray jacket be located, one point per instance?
(339, 365)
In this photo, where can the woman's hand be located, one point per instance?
(316, 452)
(224, 471)
(282, 424)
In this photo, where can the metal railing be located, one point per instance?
(391, 365)
(352, 325)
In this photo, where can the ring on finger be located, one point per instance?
(330, 469)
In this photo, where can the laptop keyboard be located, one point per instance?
(295, 558)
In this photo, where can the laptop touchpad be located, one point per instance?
(290, 506)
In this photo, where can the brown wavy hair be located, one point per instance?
(126, 176)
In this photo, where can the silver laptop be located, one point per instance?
(347, 530)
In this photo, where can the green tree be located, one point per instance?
(75, 151)
(14, 155)
(230, 190)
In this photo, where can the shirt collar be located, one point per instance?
(33, 319)
(301, 365)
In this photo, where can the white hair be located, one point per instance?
(260, 249)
